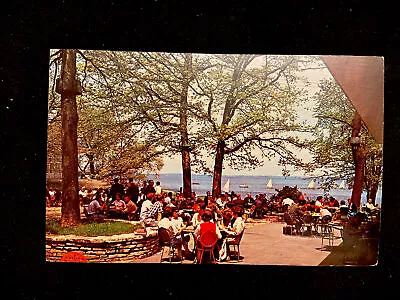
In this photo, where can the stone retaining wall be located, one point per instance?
(116, 248)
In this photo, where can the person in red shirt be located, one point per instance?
(206, 226)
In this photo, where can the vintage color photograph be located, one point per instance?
(199, 158)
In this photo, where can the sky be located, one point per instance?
(271, 168)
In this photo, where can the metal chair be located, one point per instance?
(206, 244)
(165, 240)
(306, 224)
(326, 233)
(236, 244)
(290, 222)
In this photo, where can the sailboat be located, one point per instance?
(195, 182)
(243, 185)
(226, 187)
(269, 184)
(341, 185)
(311, 185)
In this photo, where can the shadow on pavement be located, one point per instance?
(364, 252)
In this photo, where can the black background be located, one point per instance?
(29, 31)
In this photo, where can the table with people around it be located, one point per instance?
(332, 219)
(191, 218)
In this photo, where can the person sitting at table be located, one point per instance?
(94, 209)
(207, 226)
(231, 232)
(238, 201)
(318, 203)
(130, 208)
(221, 201)
(151, 211)
(333, 202)
(369, 206)
(116, 207)
(118, 202)
(179, 226)
(213, 208)
(297, 214)
(167, 223)
(325, 215)
(197, 217)
(227, 215)
(287, 202)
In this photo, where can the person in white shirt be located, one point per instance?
(167, 223)
(231, 232)
(145, 207)
(118, 202)
(93, 207)
(318, 202)
(158, 188)
(325, 215)
(287, 201)
(82, 192)
(221, 201)
(369, 205)
(197, 219)
(178, 225)
(167, 198)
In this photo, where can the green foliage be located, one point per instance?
(91, 228)
(330, 146)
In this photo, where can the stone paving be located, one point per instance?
(263, 243)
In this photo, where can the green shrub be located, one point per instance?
(91, 228)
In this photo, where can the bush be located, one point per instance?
(91, 228)
(288, 192)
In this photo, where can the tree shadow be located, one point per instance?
(363, 253)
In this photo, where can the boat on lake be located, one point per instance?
(226, 186)
(311, 185)
(342, 185)
(269, 184)
(243, 185)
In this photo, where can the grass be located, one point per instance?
(91, 228)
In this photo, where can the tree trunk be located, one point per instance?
(91, 163)
(359, 161)
(218, 163)
(186, 168)
(70, 212)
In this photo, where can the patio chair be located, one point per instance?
(343, 212)
(235, 242)
(326, 233)
(206, 244)
(290, 223)
(306, 224)
(165, 240)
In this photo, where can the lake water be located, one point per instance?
(257, 185)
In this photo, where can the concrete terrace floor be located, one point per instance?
(265, 244)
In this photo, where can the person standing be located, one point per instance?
(116, 187)
(158, 188)
(148, 188)
(207, 198)
(133, 190)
